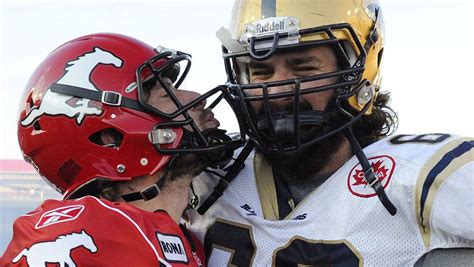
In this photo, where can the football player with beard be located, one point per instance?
(327, 184)
(103, 121)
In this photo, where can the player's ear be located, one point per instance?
(107, 137)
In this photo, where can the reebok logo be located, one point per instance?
(59, 215)
(247, 208)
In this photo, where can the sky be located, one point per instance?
(427, 60)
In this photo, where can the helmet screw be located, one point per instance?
(120, 168)
(162, 136)
(143, 161)
(167, 135)
(113, 116)
(365, 94)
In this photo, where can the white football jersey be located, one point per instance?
(429, 178)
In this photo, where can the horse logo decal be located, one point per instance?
(76, 73)
(57, 251)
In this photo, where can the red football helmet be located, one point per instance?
(95, 83)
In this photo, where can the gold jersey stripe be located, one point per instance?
(423, 216)
(266, 188)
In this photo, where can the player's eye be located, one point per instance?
(305, 69)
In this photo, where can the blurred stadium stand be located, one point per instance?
(21, 190)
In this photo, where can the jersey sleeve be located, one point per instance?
(444, 196)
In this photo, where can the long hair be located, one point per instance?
(382, 122)
(100, 188)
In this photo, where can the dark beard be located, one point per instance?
(283, 123)
(304, 164)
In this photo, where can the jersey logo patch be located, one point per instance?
(383, 167)
(172, 247)
(60, 215)
(56, 251)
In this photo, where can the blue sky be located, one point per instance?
(427, 61)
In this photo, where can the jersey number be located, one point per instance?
(237, 241)
(420, 139)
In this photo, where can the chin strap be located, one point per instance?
(369, 175)
(193, 199)
(148, 193)
(153, 191)
(224, 182)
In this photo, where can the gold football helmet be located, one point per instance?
(356, 24)
(261, 29)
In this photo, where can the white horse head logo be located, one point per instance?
(57, 251)
(76, 73)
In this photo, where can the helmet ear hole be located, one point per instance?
(109, 138)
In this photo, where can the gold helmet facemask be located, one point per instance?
(260, 29)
